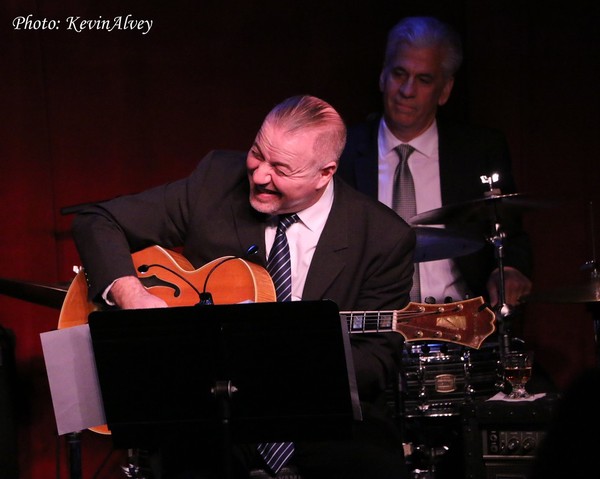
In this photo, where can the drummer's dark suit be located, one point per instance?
(363, 261)
(465, 153)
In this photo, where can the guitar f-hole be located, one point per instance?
(154, 281)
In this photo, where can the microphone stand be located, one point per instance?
(222, 391)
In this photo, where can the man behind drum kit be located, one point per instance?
(447, 162)
(421, 60)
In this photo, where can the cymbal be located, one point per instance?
(485, 208)
(440, 243)
(583, 293)
(51, 295)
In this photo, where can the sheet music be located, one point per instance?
(73, 379)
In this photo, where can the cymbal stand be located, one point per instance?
(594, 279)
(593, 307)
(503, 310)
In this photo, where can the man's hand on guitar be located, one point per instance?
(129, 293)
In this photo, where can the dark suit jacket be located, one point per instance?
(466, 152)
(363, 260)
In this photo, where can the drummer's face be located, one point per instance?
(413, 86)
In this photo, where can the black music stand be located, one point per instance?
(244, 373)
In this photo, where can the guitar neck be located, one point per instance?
(467, 322)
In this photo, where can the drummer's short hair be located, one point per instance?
(426, 32)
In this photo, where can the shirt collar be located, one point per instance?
(425, 143)
(315, 216)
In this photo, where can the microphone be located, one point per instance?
(205, 296)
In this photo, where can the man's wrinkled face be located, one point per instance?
(284, 173)
(413, 86)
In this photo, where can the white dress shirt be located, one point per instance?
(439, 279)
(303, 237)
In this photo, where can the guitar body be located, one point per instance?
(171, 277)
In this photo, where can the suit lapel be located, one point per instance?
(330, 255)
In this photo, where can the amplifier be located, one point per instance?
(501, 438)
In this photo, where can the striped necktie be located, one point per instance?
(278, 264)
(276, 454)
(405, 204)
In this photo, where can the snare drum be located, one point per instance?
(439, 377)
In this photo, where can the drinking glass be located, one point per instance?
(517, 367)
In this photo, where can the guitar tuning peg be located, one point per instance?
(430, 300)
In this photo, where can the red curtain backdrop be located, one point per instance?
(94, 114)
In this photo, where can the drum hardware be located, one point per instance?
(503, 309)
(426, 460)
(422, 396)
(45, 294)
(440, 243)
(132, 469)
(492, 208)
(442, 379)
(439, 378)
(586, 292)
(445, 378)
(480, 210)
(468, 366)
(497, 240)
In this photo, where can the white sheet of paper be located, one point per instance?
(73, 379)
(503, 397)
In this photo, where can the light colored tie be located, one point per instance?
(276, 454)
(404, 203)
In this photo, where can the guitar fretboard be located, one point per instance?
(376, 321)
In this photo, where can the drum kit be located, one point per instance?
(440, 378)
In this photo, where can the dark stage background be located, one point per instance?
(91, 115)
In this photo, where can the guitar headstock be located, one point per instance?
(468, 322)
